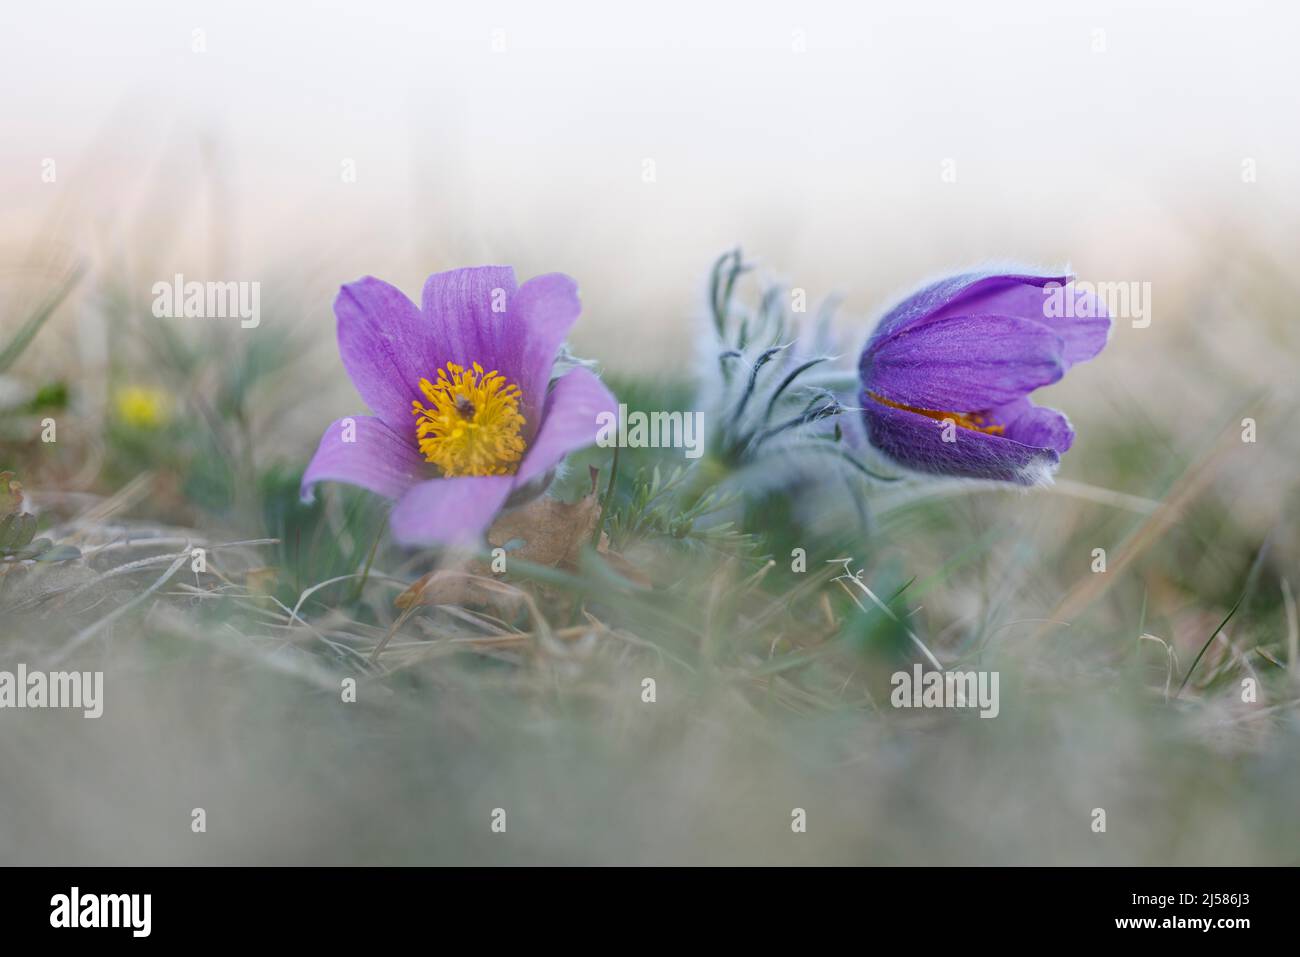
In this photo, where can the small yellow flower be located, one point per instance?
(141, 407)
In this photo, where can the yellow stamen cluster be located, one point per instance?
(966, 420)
(472, 425)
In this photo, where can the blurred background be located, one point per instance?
(853, 150)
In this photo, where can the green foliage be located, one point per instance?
(52, 397)
(20, 340)
(654, 504)
(317, 543)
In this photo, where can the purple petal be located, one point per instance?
(963, 363)
(448, 511)
(937, 298)
(1034, 425)
(568, 421)
(543, 312)
(469, 321)
(377, 459)
(518, 338)
(916, 442)
(384, 343)
(1073, 314)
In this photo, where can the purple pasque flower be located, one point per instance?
(946, 376)
(458, 386)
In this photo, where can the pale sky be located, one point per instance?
(817, 135)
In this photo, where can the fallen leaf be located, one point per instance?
(547, 530)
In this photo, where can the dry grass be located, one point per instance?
(224, 687)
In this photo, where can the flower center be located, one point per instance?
(967, 420)
(472, 424)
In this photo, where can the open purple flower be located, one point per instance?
(946, 376)
(458, 386)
